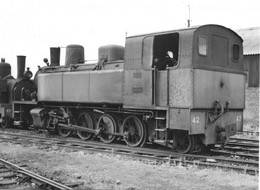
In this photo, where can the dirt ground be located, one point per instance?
(100, 171)
(112, 172)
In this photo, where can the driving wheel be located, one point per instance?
(85, 120)
(133, 131)
(107, 124)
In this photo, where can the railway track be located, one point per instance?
(244, 144)
(255, 133)
(225, 159)
(240, 147)
(12, 175)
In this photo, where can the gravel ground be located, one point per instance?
(99, 171)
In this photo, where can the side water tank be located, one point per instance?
(5, 68)
(111, 53)
(74, 55)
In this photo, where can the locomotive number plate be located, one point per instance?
(137, 89)
(137, 75)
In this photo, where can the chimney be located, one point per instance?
(55, 56)
(20, 66)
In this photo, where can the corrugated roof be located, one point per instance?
(251, 37)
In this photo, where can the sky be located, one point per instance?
(31, 27)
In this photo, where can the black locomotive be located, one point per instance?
(183, 88)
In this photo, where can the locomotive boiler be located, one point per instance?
(184, 89)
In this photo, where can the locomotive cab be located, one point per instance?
(198, 91)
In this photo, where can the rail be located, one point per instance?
(34, 176)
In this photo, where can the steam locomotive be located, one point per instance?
(184, 89)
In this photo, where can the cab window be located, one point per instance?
(235, 52)
(165, 51)
(202, 45)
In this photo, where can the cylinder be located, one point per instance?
(5, 68)
(74, 55)
(20, 66)
(55, 56)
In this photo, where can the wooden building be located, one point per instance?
(251, 37)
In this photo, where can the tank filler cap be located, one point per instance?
(2, 60)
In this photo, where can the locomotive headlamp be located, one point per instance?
(28, 74)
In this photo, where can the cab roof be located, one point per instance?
(191, 29)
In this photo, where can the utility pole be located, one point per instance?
(189, 17)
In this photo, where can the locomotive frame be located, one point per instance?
(184, 89)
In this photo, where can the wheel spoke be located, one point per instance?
(136, 138)
(127, 127)
(64, 132)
